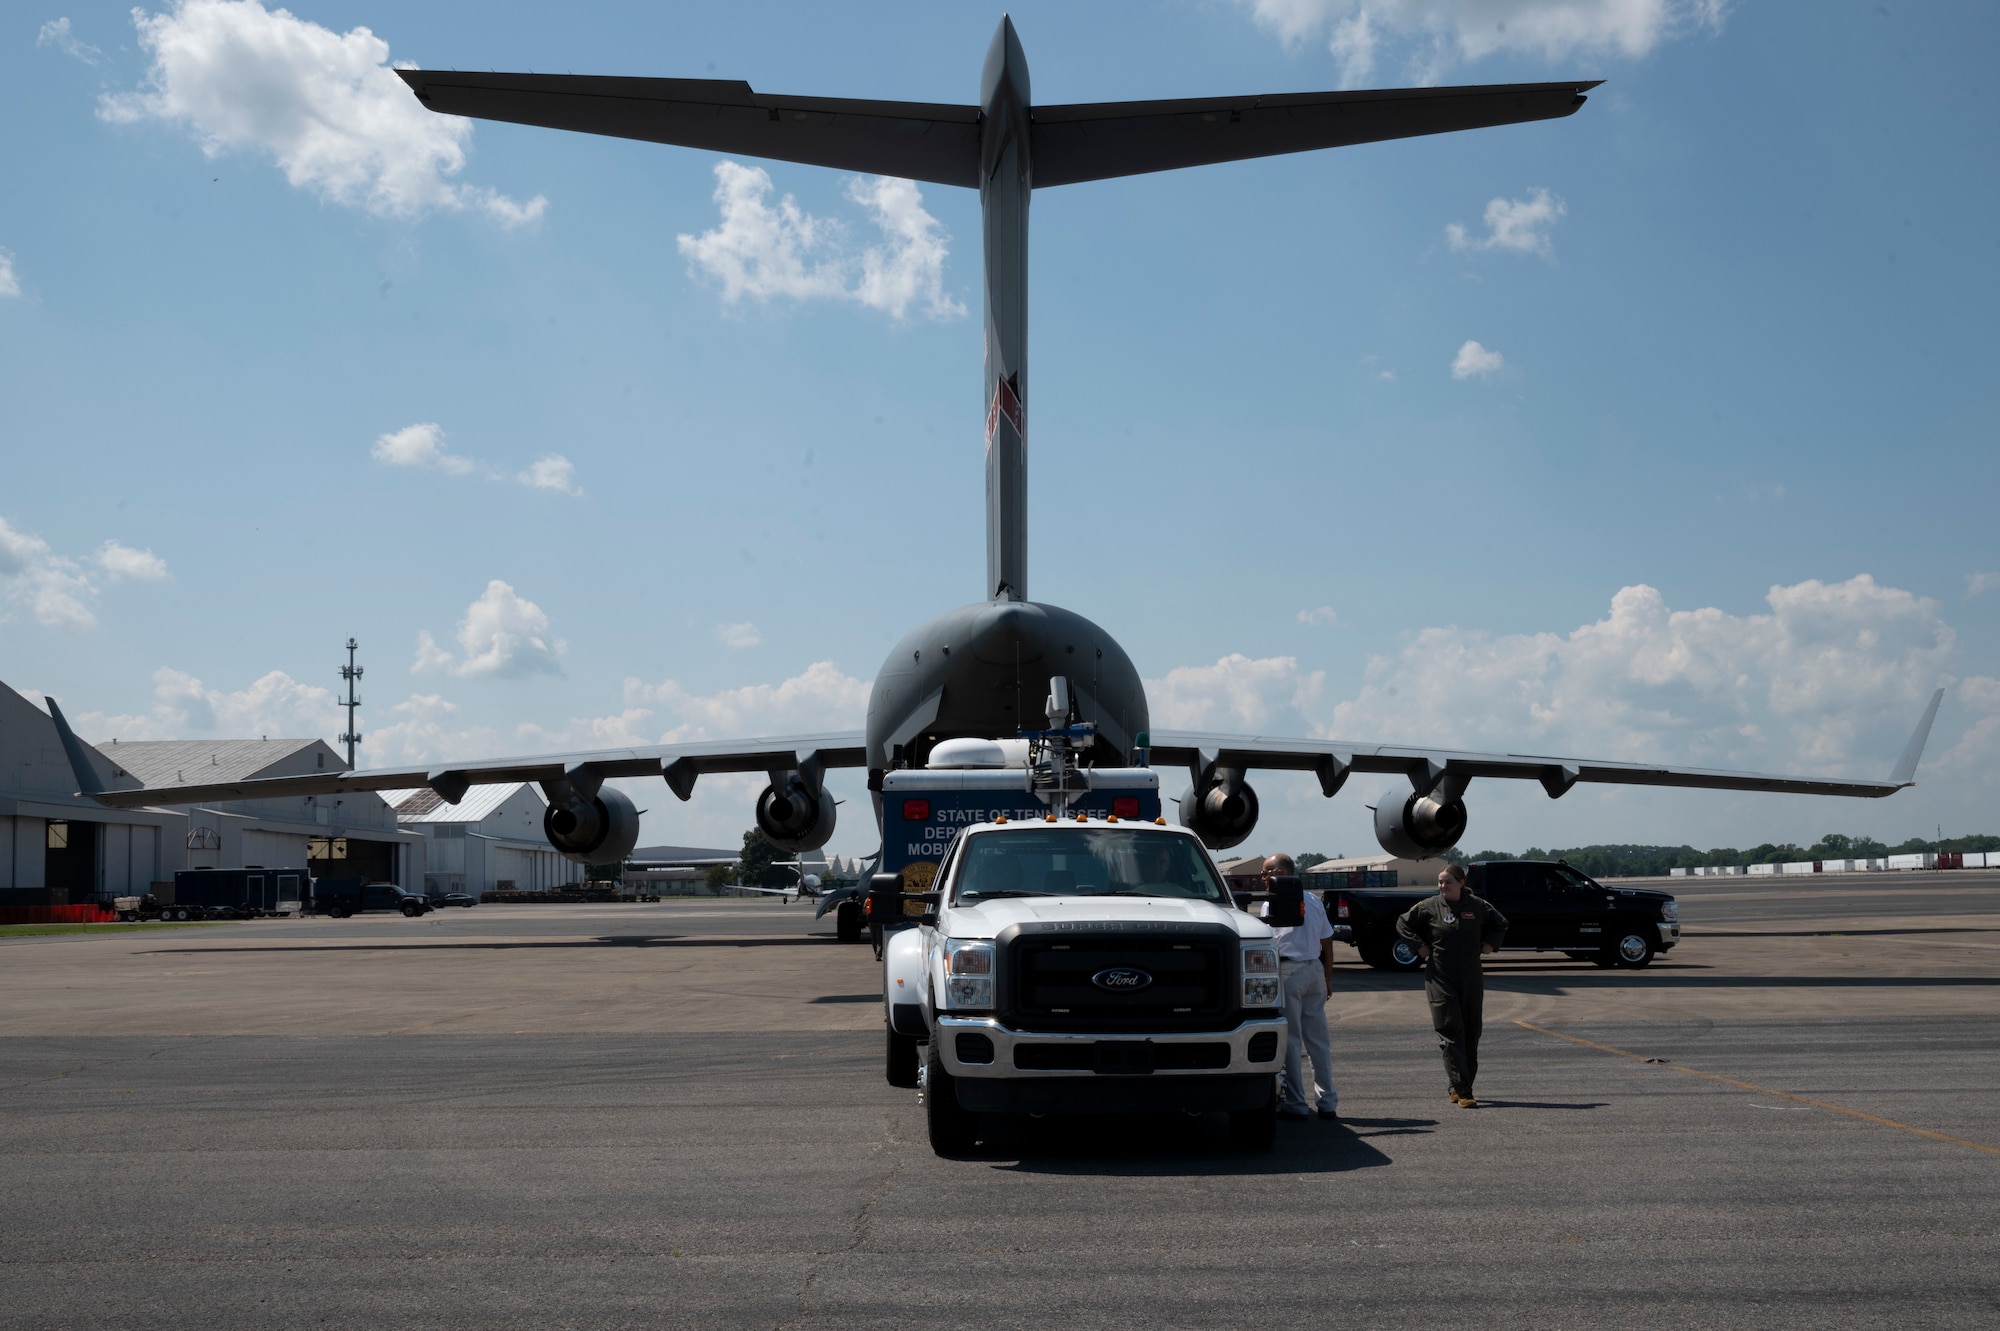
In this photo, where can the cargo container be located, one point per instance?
(1925, 860)
(235, 893)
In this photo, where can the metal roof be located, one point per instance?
(173, 762)
(424, 805)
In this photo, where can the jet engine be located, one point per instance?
(599, 830)
(794, 818)
(1221, 810)
(1418, 827)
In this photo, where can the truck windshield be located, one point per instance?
(1084, 861)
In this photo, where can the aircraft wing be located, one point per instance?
(939, 143)
(679, 764)
(1098, 140)
(1334, 760)
(916, 140)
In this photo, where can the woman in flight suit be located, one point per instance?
(1452, 931)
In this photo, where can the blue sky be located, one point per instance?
(1678, 447)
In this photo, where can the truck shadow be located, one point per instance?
(1186, 1146)
(1555, 979)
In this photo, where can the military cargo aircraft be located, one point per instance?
(981, 671)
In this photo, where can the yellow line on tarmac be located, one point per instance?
(1766, 1090)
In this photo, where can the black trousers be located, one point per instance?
(1457, 1015)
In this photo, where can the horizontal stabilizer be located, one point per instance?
(915, 140)
(1098, 140)
(939, 143)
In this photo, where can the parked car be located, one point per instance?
(465, 899)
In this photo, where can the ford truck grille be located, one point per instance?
(1080, 982)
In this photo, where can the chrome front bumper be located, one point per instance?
(1005, 1040)
(1669, 934)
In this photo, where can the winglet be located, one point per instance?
(87, 782)
(1906, 769)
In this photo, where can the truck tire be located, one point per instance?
(1255, 1129)
(847, 921)
(900, 1060)
(954, 1129)
(335, 913)
(409, 912)
(1632, 946)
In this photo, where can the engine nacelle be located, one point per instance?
(1222, 812)
(795, 819)
(1418, 827)
(600, 830)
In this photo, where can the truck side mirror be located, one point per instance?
(1288, 902)
(884, 901)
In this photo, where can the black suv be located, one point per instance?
(1550, 907)
(340, 897)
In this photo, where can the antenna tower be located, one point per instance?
(350, 672)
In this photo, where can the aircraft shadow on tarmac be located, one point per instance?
(1190, 1146)
(518, 945)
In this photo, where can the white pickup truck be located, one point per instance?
(1075, 964)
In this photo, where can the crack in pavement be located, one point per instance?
(859, 1232)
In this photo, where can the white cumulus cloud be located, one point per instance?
(821, 697)
(551, 471)
(738, 635)
(1434, 35)
(764, 251)
(1473, 359)
(1521, 225)
(10, 285)
(326, 106)
(1322, 616)
(124, 564)
(420, 445)
(55, 588)
(56, 32)
(185, 708)
(1978, 584)
(503, 634)
(1833, 674)
(1265, 696)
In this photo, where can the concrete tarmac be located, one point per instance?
(674, 1115)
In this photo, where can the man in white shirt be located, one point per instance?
(1305, 966)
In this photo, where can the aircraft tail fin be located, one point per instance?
(1906, 767)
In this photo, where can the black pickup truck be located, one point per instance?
(1550, 907)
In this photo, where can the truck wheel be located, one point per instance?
(1403, 956)
(900, 1062)
(847, 921)
(1632, 947)
(953, 1128)
(1255, 1129)
(409, 912)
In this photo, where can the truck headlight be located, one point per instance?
(968, 973)
(1260, 976)
(1670, 911)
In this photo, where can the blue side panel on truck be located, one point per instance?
(923, 811)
